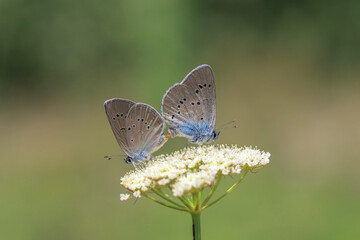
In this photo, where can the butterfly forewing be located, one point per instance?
(201, 81)
(144, 128)
(117, 112)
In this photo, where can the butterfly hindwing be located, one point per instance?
(144, 128)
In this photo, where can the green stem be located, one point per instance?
(166, 197)
(196, 226)
(228, 191)
(164, 204)
(185, 201)
(198, 200)
(212, 190)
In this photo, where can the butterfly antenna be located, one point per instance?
(224, 124)
(227, 127)
(114, 156)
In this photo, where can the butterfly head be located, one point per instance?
(128, 160)
(215, 135)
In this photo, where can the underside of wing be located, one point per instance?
(117, 110)
(180, 106)
(144, 128)
(201, 82)
(191, 105)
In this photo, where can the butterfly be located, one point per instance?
(189, 107)
(138, 128)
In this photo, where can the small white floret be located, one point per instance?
(124, 196)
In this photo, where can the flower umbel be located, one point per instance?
(188, 173)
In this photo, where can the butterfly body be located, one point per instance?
(196, 133)
(138, 128)
(189, 107)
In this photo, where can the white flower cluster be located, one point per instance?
(193, 169)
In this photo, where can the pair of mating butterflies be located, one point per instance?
(188, 107)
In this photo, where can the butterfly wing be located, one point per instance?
(144, 128)
(191, 105)
(202, 83)
(117, 110)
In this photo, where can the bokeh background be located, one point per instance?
(287, 71)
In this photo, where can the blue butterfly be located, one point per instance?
(138, 128)
(189, 107)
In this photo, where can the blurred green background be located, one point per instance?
(287, 71)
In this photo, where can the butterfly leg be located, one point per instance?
(134, 166)
(187, 148)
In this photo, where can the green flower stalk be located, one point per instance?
(180, 180)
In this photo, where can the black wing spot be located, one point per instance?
(172, 117)
(181, 102)
(123, 129)
(121, 114)
(145, 123)
(184, 99)
(142, 119)
(134, 125)
(198, 103)
(129, 128)
(209, 85)
(149, 126)
(178, 106)
(197, 91)
(114, 118)
(178, 112)
(138, 119)
(192, 103)
(132, 140)
(126, 116)
(204, 84)
(117, 115)
(202, 118)
(200, 86)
